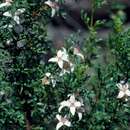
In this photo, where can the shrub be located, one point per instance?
(82, 86)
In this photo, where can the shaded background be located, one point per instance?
(61, 27)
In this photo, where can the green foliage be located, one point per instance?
(29, 99)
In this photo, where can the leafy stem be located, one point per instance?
(92, 13)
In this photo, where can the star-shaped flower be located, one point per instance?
(61, 57)
(67, 68)
(15, 16)
(63, 121)
(123, 90)
(54, 6)
(71, 103)
(6, 3)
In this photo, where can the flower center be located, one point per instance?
(63, 120)
(66, 65)
(72, 104)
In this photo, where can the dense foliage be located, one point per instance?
(82, 86)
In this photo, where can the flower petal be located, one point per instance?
(80, 115)
(49, 3)
(60, 124)
(58, 117)
(72, 110)
(60, 108)
(78, 104)
(80, 55)
(71, 67)
(127, 86)
(77, 52)
(53, 12)
(72, 98)
(63, 104)
(65, 57)
(5, 4)
(7, 14)
(119, 86)
(127, 92)
(48, 74)
(67, 123)
(121, 94)
(60, 63)
(59, 53)
(54, 59)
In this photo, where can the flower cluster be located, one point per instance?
(74, 106)
(63, 61)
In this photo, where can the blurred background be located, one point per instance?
(62, 26)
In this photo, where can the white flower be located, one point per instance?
(48, 79)
(62, 121)
(67, 68)
(54, 6)
(15, 16)
(7, 14)
(78, 53)
(6, 3)
(60, 58)
(123, 90)
(71, 103)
